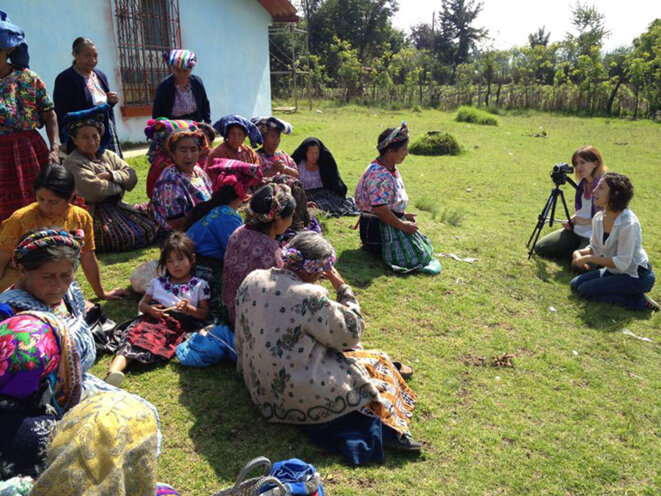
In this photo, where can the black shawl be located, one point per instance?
(330, 175)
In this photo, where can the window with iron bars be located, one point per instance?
(145, 29)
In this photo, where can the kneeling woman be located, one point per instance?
(153, 337)
(291, 341)
(385, 227)
(616, 245)
(102, 179)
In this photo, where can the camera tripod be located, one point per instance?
(549, 213)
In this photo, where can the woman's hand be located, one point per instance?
(410, 218)
(115, 294)
(581, 261)
(409, 227)
(113, 97)
(54, 155)
(334, 277)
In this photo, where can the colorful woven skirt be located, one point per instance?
(396, 399)
(407, 252)
(117, 228)
(22, 155)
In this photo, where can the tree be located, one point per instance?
(618, 65)
(422, 36)
(589, 24)
(539, 38)
(456, 26)
(647, 60)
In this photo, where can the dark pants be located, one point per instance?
(560, 244)
(619, 289)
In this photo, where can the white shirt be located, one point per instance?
(585, 212)
(168, 293)
(624, 244)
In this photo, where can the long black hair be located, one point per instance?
(223, 196)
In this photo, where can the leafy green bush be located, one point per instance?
(435, 143)
(475, 116)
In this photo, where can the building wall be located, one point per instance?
(230, 38)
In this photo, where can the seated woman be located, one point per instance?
(588, 169)
(181, 95)
(385, 227)
(183, 185)
(47, 260)
(40, 380)
(101, 179)
(254, 245)
(295, 362)
(617, 246)
(303, 220)
(235, 129)
(321, 179)
(273, 160)
(54, 188)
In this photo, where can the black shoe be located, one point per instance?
(404, 442)
(650, 303)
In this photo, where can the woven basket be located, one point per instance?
(252, 487)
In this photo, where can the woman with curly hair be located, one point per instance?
(616, 246)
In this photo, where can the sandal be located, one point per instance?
(115, 378)
(406, 371)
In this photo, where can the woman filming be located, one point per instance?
(617, 246)
(588, 169)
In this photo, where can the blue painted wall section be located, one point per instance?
(230, 38)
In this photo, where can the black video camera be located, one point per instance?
(559, 174)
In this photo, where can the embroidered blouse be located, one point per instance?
(309, 179)
(176, 193)
(212, 232)
(267, 161)
(247, 250)
(28, 218)
(379, 186)
(23, 97)
(244, 154)
(184, 101)
(169, 293)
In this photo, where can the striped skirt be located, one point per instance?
(117, 228)
(22, 155)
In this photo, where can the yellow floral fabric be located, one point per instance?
(106, 445)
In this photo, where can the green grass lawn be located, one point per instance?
(580, 412)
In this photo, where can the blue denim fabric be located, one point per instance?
(619, 289)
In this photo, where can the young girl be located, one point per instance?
(173, 305)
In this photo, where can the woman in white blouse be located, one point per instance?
(617, 246)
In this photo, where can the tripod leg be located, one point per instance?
(564, 204)
(541, 220)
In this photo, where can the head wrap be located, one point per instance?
(224, 123)
(280, 197)
(104, 445)
(208, 130)
(295, 259)
(39, 363)
(399, 134)
(240, 175)
(182, 59)
(11, 36)
(265, 124)
(197, 135)
(97, 117)
(45, 238)
(159, 130)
